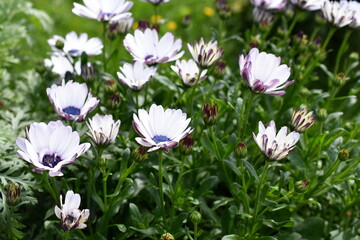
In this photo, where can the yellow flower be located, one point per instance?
(171, 25)
(208, 11)
(155, 18)
(135, 25)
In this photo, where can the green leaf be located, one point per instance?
(121, 227)
(251, 169)
(231, 237)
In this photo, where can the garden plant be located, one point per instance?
(179, 119)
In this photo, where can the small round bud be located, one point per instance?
(322, 114)
(220, 68)
(59, 44)
(210, 114)
(241, 150)
(114, 100)
(110, 85)
(140, 154)
(343, 154)
(167, 236)
(339, 79)
(186, 145)
(301, 186)
(40, 68)
(143, 25)
(12, 194)
(195, 217)
(186, 21)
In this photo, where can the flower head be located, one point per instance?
(273, 5)
(70, 215)
(103, 129)
(75, 45)
(338, 13)
(103, 10)
(50, 146)
(136, 75)
(263, 73)
(354, 5)
(146, 47)
(188, 71)
(275, 146)
(205, 54)
(301, 120)
(263, 16)
(160, 128)
(72, 101)
(309, 5)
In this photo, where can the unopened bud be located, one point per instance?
(186, 145)
(339, 79)
(59, 44)
(220, 68)
(40, 68)
(12, 194)
(301, 186)
(87, 71)
(110, 85)
(195, 217)
(210, 113)
(114, 100)
(301, 120)
(223, 8)
(241, 150)
(167, 236)
(186, 21)
(140, 154)
(343, 154)
(143, 25)
(322, 114)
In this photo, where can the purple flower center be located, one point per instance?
(72, 111)
(73, 51)
(51, 160)
(159, 139)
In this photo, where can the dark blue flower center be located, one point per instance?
(73, 51)
(158, 139)
(51, 160)
(72, 110)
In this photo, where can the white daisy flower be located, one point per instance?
(188, 71)
(263, 73)
(156, 2)
(103, 10)
(275, 146)
(121, 26)
(70, 215)
(75, 45)
(72, 101)
(160, 128)
(205, 54)
(354, 5)
(103, 129)
(136, 75)
(338, 13)
(309, 5)
(262, 16)
(146, 47)
(273, 5)
(50, 146)
(60, 64)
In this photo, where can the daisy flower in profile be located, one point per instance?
(70, 215)
(50, 146)
(74, 45)
(263, 16)
(301, 120)
(308, 5)
(156, 2)
(205, 54)
(354, 5)
(60, 64)
(103, 129)
(161, 128)
(275, 146)
(146, 47)
(136, 75)
(273, 5)
(103, 10)
(188, 71)
(263, 73)
(338, 13)
(72, 101)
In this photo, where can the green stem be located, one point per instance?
(341, 51)
(123, 178)
(292, 25)
(258, 193)
(49, 188)
(328, 37)
(104, 44)
(195, 231)
(193, 93)
(249, 104)
(244, 186)
(161, 190)
(178, 182)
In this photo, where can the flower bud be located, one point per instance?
(195, 217)
(167, 236)
(300, 40)
(301, 186)
(59, 44)
(140, 154)
(87, 71)
(343, 154)
(114, 100)
(220, 68)
(223, 9)
(322, 114)
(339, 79)
(301, 120)
(12, 194)
(186, 145)
(40, 68)
(186, 21)
(210, 114)
(110, 85)
(241, 150)
(143, 25)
